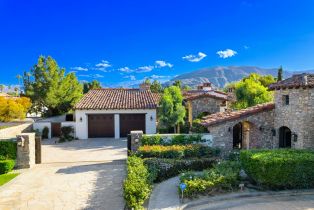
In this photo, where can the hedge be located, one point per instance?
(8, 149)
(177, 151)
(222, 177)
(280, 168)
(171, 140)
(162, 169)
(137, 185)
(6, 166)
(67, 134)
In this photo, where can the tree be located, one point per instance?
(178, 83)
(156, 87)
(171, 111)
(19, 77)
(50, 88)
(13, 108)
(91, 85)
(147, 81)
(1, 88)
(252, 90)
(280, 72)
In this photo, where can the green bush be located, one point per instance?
(176, 151)
(197, 127)
(222, 177)
(162, 169)
(280, 168)
(180, 139)
(67, 134)
(137, 185)
(8, 149)
(45, 133)
(6, 166)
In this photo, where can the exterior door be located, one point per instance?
(55, 129)
(284, 137)
(131, 122)
(100, 125)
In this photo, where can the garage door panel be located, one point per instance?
(100, 125)
(129, 122)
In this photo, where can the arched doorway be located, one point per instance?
(237, 136)
(284, 137)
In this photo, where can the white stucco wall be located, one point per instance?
(81, 117)
(40, 126)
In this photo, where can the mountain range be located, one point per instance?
(221, 75)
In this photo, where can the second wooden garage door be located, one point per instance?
(100, 125)
(131, 122)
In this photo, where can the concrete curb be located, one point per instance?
(232, 196)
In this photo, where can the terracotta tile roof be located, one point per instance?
(119, 98)
(221, 117)
(194, 94)
(296, 81)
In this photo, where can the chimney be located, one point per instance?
(144, 86)
(207, 86)
(231, 94)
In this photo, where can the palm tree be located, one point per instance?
(1, 88)
(19, 77)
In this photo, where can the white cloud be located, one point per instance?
(103, 64)
(125, 69)
(195, 58)
(246, 47)
(162, 64)
(79, 68)
(226, 53)
(145, 69)
(95, 76)
(131, 77)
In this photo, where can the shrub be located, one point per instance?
(280, 168)
(13, 108)
(67, 134)
(221, 178)
(6, 166)
(45, 133)
(197, 127)
(8, 149)
(137, 186)
(166, 168)
(176, 151)
(180, 139)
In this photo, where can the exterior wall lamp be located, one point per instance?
(81, 119)
(151, 118)
(295, 137)
(273, 131)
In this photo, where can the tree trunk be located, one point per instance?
(178, 129)
(174, 129)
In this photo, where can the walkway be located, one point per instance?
(83, 174)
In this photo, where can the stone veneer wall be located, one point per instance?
(298, 116)
(257, 131)
(205, 104)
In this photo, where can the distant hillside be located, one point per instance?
(219, 76)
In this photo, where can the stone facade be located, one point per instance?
(204, 104)
(298, 115)
(257, 131)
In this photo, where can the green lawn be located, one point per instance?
(4, 178)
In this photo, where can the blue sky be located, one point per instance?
(122, 42)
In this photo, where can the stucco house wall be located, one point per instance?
(81, 117)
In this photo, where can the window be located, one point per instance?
(285, 99)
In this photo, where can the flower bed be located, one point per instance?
(177, 151)
(162, 169)
(222, 177)
(280, 168)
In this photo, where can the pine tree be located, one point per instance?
(280, 71)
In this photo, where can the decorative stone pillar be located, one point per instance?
(136, 139)
(25, 150)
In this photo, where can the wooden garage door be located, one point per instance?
(131, 122)
(100, 125)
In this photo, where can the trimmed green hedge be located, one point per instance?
(174, 139)
(177, 151)
(162, 169)
(6, 166)
(280, 168)
(8, 150)
(137, 185)
(222, 177)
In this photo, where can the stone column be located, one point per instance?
(25, 150)
(136, 137)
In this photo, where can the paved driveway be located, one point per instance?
(83, 174)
